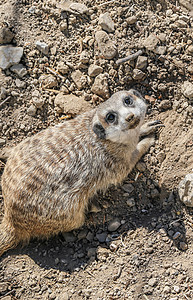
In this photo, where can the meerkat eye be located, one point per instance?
(128, 101)
(110, 118)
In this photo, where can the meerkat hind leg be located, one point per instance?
(150, 127)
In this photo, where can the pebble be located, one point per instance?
(20, 84)
(70, 104)
(100, 86)
(69, 237)
(177, 235)
(138, 74)
(43, 47)
(106, 22)
(79, 79)
(101, 237)
(31, 111)
(90, 236)
(151, 42)
(79, 8)
(63, 25)
(131, 202)
(176, 288)
(128, 187)
(152, 282)
(165, 105)
(114, 225)
(84, 57)
(91, 252)
(187, 90)
(57, 260)
(48, 80)
(63, 68)
(185, 190)
(6, 35)
(131, 20)
(183, 246)
(38, 102)
(19, 69)
(189, 50)
(10, 56)
(94, 70)
(82, 234)
(3, 93)
(141, 63)
(166, 289)
(106, 46)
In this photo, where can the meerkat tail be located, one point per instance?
(8, 237)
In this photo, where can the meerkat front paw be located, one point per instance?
(144, 145)
(150, 127)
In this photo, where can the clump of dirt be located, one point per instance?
(149, 252)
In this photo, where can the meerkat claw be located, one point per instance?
(150, 127)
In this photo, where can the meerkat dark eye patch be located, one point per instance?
(111, 117)
(99, 131)
(137, 94)
(128, 101)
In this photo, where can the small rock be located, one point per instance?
(189, 50)
(176, 289)
(63, 25)
(84, 57)
(166, 289)
(128, 187)
(19, 69)
(90, 236)
(94, 70)
(106, 22)
(3, 93)
(91, 252)
(48, 81)
(151, 42)
(70, 104)
(131, 202)
(2, 142)
(79, 79)
(177, 235)
(180, 24)
(183, 246)
(161, 50)
(106, 46)
(63, 68)
(114, 225)
(152, 282)
(10, 56)
(38, 102)
(82, 234)
(100, 86)
(69, 237)
(78, 8)
(185, 190)
(43, 47)
(138, 74)
(187, 90)
(101, 237)
(131, 20)
(57, 260)
(31, 111)
(141, 63)
(20, 84)
(165, 105)
(6, 35)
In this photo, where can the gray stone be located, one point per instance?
(187, 90)
(2, 142)
(114, 225)
(101, 237)
(138, 74)
(183, 246)
(31, 111)
(43, 47)
(48, 81)
(19, 69)
(151, 42)
(91, 252)
(100, 86)
(106, 46)
(82, 234)
(79, 79)
(106, 22)
(3, 93)
(165, 104)
(69, 237)
(70, 104)
(6, 35)
(84, 57)
(128, 187)
(10, 56)
(94, 70)
(161, 50)
(185, 190)
(141, 63)
(131, 20)
(177, 235)
(63, 68)
(131, 202)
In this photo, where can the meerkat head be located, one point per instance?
(120, 117)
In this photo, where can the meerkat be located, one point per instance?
(50, 177)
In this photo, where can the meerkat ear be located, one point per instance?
(99, 131)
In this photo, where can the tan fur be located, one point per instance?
(50, 177)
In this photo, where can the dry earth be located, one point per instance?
(139, 245)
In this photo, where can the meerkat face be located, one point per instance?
(120, 117)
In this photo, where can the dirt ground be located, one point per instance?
(149, 254)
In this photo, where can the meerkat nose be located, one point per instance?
(129, 117)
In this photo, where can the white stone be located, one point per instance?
(19, 69)
(106, 22)
(43, 47)
(10, 56)
(151, 42)
(94, 70)
(185, 190)
(106, 46)
(187, 90)
(100, 86)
